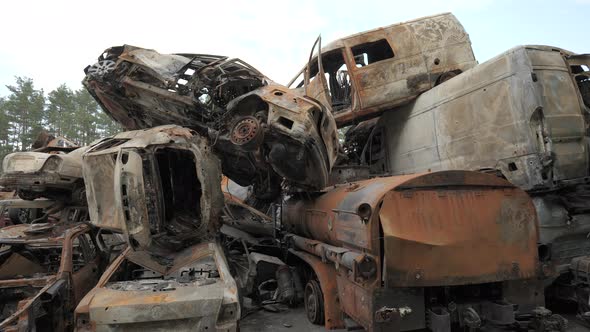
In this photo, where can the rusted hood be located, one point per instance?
(453, 228)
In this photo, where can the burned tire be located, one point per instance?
(22, 216)
(27, 195)
(314, 302)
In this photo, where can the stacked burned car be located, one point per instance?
(229, 192)
(161, 187)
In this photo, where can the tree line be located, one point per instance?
(26, 111)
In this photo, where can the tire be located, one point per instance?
(27, 195)
(23, 216)
(18, 216)
(314, 302)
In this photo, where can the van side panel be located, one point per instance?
(518, 113)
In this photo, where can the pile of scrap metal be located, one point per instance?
(45, 269)
(304, 219)
(49, 258)
(255, 124)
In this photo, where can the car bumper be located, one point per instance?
(37, 182)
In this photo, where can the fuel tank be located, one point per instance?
(429, 229)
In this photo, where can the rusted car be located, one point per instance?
(45, 270)
(265, 131)
(446, 251)
(51, 171)
(367, 73)
(197, 293)
(523, 116)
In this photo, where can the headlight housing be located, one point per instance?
(52, 163)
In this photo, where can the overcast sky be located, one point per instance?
(52, 41)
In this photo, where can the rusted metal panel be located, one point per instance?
(474, 225)
(420, 230)
(52, 293)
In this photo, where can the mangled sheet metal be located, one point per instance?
(386, 251)
(197, 294)
(264, 131)
(44, 271)
(161, 187)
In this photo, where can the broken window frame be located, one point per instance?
(368, 44)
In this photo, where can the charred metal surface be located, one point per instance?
(521, 115)
(44, 271)
(55, 173)
(198, 293)
(377, 70)
(161, 187)
(263, 131)
(427, 230)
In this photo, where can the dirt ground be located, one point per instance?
(294, 320)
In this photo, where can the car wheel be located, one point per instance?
(27, 195)
(314, 302)
(18, 216)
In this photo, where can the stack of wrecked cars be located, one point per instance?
(49, 259)
(161, 188)
(302, 213)
(456, 200)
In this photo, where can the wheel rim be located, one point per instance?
(313, 302)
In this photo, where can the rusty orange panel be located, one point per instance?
(449, 235)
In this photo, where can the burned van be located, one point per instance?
(373, 71)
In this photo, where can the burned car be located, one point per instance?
(45, 270)
(161, 188)
(196, 294)
(264, 131)
(52, 171)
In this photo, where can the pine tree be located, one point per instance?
(24, 110)
(60, 115)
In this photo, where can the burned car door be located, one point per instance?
(316, 87)
(85, 265)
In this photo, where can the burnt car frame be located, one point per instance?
(53, 171)
(197, 293)
(264, 131)
(161, 188)
(45, 271)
